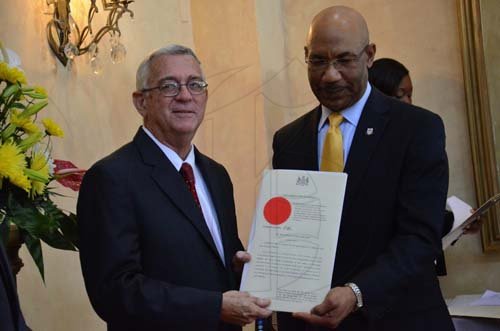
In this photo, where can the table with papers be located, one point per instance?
(476, 312)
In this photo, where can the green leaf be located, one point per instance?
(41, 220)
(35, 175)
(9, 90)
(9, 130)
(66, 224)
(27, 143)
(18, 105)
(69, 228)
(30, 220)
(57, 240)
(34, 246)
(35, 95)
(33, 109)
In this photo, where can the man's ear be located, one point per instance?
(306, 52)
(139, 102)
(370, 51)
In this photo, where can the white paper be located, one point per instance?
(464, 217)
(294, 238)
(489, 298)
(461, 212)
(461, 305)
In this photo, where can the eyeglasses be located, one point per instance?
(172, 88)
(340, 64)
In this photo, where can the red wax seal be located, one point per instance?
(277, 210)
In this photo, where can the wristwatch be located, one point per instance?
(357, 293)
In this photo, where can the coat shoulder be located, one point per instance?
(299, 124)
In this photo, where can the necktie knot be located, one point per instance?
(187, 173)
(335, 119)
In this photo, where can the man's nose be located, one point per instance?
(331, 74)
(184, 94)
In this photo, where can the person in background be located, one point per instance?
(159, 244)
(392, 78)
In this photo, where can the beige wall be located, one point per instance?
(252, 53)
(226, 41)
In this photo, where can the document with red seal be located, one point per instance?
(294, 238)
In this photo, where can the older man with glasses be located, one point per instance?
(159, 244)
(394, 154)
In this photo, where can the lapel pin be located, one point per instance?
(369, 131)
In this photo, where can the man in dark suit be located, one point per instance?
(394, 154)
(159, 245)
(11, 318)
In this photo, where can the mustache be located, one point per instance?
(332, 88)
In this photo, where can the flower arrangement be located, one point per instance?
(27, 168)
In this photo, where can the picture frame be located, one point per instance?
(480, 101)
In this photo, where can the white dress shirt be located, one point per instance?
(206, 202)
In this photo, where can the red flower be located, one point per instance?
(68, 174)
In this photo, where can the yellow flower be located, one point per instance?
(30, 128)
(40, 90)
(52, 128)
(17, 120)
(21, 181)
(40, 165)
(12, 165)
(24, 123)
(11, 75)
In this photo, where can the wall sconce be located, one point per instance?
(67, 40)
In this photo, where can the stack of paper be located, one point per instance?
(486, 306)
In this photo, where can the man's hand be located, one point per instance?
(239, 259)
(474, 227)
(241, 308)
(338, 303)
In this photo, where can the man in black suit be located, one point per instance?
(159, 245)
(11, 318)
(394, 154)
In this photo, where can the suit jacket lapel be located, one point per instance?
(312, 127)
(370, 129)
(307, 141)
(218, 198)
(172, 184)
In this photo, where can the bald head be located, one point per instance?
(338, 55)
(339, 22)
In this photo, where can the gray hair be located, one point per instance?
(144, 70)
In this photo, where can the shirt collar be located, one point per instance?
(351, 114)
(172, 156)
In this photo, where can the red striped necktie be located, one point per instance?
(188, 175)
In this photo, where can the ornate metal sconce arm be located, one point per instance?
(62, 27)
